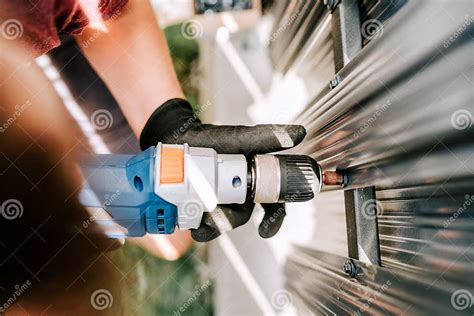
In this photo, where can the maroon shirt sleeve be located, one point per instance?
(39, 23)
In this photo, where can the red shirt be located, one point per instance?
(41, 22)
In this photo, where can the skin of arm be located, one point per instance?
(131, 56)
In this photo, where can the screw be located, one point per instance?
(335, 82)
(331, 4)
(350, 268)
(334, 178)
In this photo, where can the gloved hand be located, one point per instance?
(175, 123)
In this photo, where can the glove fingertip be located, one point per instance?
(268, 229)
(204, 234)
(272, 220)
(288, 136)
(297, 132)
(267, 232)
(262, 232)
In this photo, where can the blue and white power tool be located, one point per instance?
(170, 186)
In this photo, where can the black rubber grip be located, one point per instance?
(299, 176)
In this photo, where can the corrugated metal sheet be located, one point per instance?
(401, 119)
(304, 58)
(320, 287)
(429, 228)
(297, 23)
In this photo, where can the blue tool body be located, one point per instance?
(123, 186)
(173, 185)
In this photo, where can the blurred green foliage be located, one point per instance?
(185, 54)
(152, 286)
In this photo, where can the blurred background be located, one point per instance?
(384, 89)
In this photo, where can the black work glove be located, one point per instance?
(174, 122)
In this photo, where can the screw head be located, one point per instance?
(335, 82)
(350, 268)
(331, 4)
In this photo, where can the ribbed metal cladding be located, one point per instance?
(319, 287)
(401, 119)
(429, 228)
(294, 24)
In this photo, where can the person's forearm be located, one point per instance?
(133, 60)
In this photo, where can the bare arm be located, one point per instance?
(132, 57)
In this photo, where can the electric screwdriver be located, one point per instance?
(170, 186)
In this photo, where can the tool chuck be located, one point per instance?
(284, 178)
